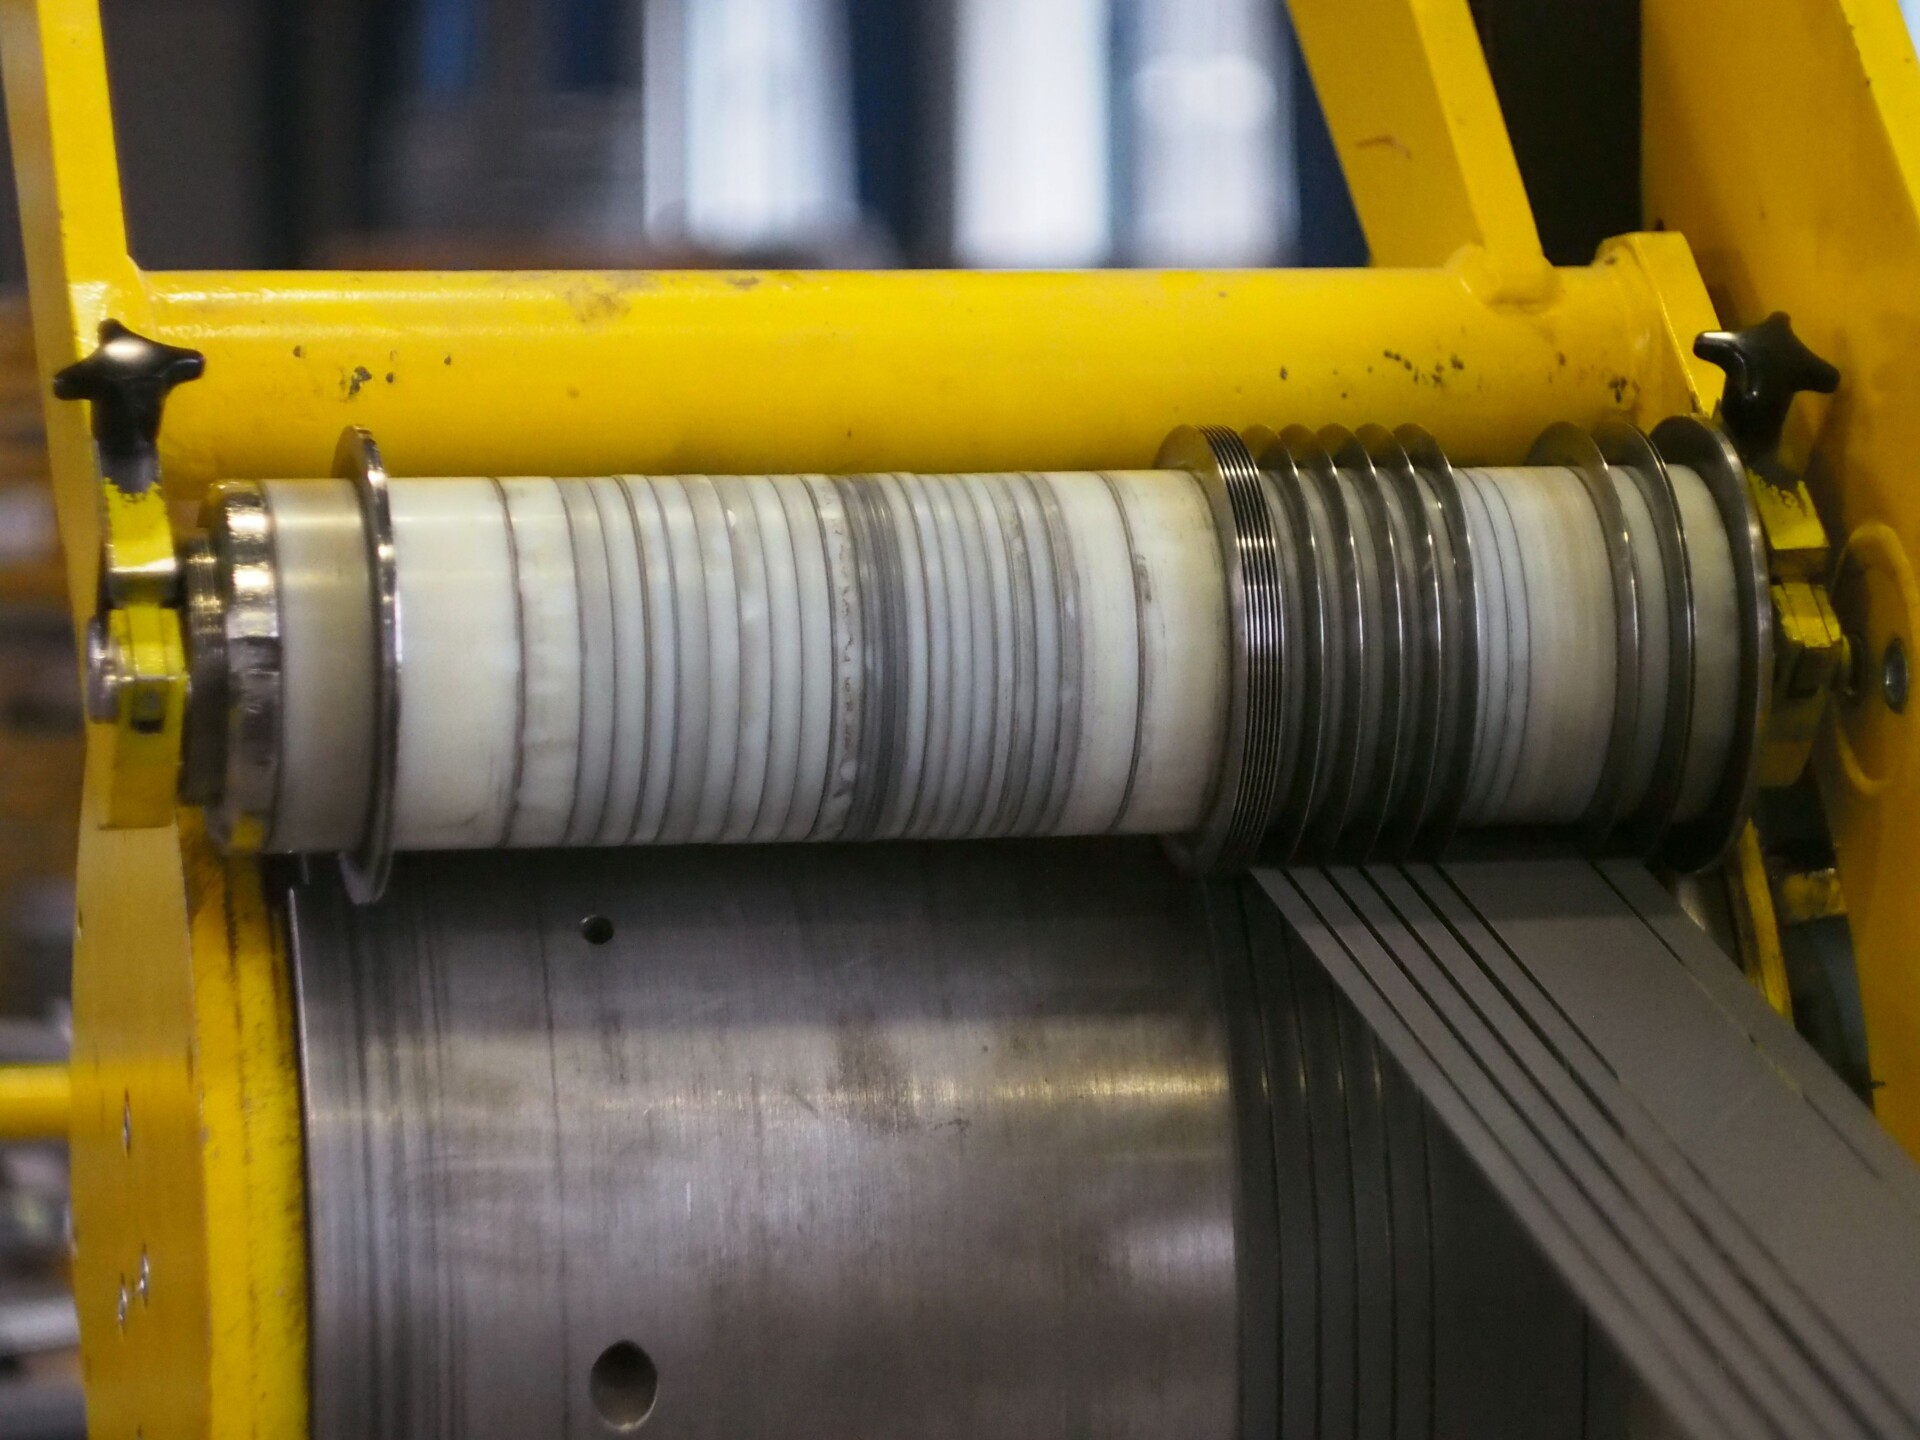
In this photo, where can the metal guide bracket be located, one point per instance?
(136, 660)
(1811, 651)
(1767, 365)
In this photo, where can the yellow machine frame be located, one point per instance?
(190, 1267)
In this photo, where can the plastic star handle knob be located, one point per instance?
(128, 380)
(1766, 365)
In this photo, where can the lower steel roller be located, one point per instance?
(991, 1141)
(1312, 645)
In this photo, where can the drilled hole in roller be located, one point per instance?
(623, 1386)
(596, 929)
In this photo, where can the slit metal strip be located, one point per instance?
(1752, 1257)
(1011, 535)
(1401, 991)
(1687, 1228)
(1301, 1280)
(1373, 1224)
(1333, 1201)
(1069, 604)
(1391, 989)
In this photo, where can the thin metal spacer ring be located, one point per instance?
(1249, 769)
(1625, 446)
(1684, 440)
(365, 868)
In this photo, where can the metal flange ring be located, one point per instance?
(240, 537)
(1705, 449)
(1460, 629)
(1299, 617)
(1626, 446)
(1303, 570)
(1423, 663)
(366, 867)
(1346, 639)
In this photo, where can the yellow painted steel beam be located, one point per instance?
(185, 1149)
(1809, 201)
(61, 126)
(583, 373)
(60, 121)
(185, 1143)
(1412, 111)
(35, 1101)
(1755, 919)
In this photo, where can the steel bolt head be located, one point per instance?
(1895, 676)
(104, 673)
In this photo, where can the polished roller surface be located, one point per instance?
(900, 1142)
(967, 1140)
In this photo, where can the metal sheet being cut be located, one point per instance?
(1730, 1215)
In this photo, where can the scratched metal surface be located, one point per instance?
(852, 1141)
(1024, 1139)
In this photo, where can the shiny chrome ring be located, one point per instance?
(1624, 445)
(240, 536)
(1683, 440)
(357, 458)
(1250, 761)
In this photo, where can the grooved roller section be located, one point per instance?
(1493, 647)
(1546, 612)
(636, 660)
(629, 660)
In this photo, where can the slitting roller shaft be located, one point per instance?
(1332, 649)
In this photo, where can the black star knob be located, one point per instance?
(128, 380)
(1766, 365)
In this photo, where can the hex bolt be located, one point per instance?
(104, 673)
(1850, 675)
(1895, 677)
